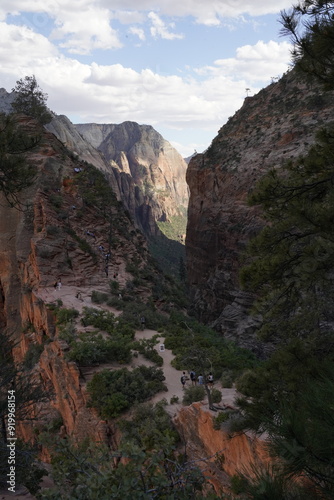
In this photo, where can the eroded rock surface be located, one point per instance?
(277, 124)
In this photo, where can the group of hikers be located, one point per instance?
(201, 379)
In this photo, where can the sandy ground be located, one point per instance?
(68, 294)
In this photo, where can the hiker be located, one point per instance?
(210, 380)
(183, 379)
(142, 322)
(120, 296)
(58, 284)
(193, 378)
(200, 379)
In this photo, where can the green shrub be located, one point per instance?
(238, 484)
(112, 392)
(149, 426)
(192, 394)
(53, 230)
(66, 315)
(220, 419)
(227, 379)
(99, 297)
(94, 349)
(67, 332)
(216, 395)
(103, 320)
(146, 348)
(114, 286)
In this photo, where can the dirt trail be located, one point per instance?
(69, 297)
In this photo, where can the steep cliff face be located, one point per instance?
(149, 172)
(224, 456)
(275, 125)
(58, 234)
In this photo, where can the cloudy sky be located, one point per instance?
(182, 66)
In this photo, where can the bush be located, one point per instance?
(216, 395)
(146, 348)
(227, 379)
(220, 419)
(95, 349)
(103, 320)
(99, 297)
(112, 392)
(192, 394)
(66, 315)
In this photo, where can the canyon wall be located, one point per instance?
(57, 233)
(277, 124)
(149, 172)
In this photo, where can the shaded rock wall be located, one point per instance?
(224, 455)
(275, 125)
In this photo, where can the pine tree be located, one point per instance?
(16, 171)
(310, 25)
(31, 100)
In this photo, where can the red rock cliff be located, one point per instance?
(276, 124)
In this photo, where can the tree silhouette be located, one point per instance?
(31, 100)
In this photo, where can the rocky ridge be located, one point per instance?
(277, 124)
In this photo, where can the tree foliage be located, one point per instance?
(293, 255)
(31, 100)
(310, 25)
(16, 171)
(146, 465)
(291, 267)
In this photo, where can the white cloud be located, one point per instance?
(254, 63)
(138, 32)
(85, 25)
(160, 29)
(85, 31)
(112, 93)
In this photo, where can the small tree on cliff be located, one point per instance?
(16, 171)
(31, 100)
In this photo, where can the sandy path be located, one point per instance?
(68, 294)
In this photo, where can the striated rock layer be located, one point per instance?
(275, 125)
(149, 172)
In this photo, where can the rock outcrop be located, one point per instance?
(149, 172)
(277, 124)
(220, 454)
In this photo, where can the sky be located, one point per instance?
(182, 66)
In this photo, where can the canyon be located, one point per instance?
(75, 229)
(276, 125)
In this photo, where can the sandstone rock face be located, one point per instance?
(149, 172)
(275, 125)
(224, 455)
(46, 240)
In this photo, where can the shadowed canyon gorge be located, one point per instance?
(83, 300)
